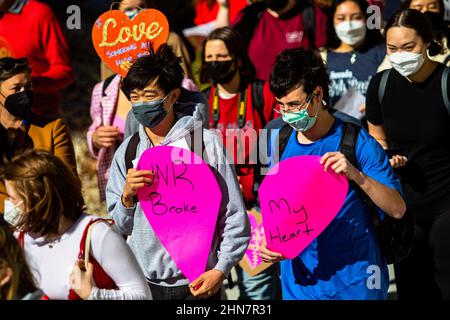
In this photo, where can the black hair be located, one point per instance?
(9, 67)
(163, 66)
(236, 47)
(407, 3)
(413, 19)
(373, 36)
(438, 24)
(299, 67)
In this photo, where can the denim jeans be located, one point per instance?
(176, 293)
(264, 286)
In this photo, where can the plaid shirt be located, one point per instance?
(102, 114)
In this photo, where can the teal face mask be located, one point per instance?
(300, 120)
(131, 13)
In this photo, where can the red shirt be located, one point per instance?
(233, 138)
(35, 33)
(273, 35)
(205, 14)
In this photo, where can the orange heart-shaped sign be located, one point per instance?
(119, 41)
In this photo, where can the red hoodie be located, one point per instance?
(35, 33)
(205, 14)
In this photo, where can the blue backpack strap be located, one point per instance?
(444, 86)
(383, 83)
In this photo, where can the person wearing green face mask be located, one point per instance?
(298, 117)
(334, 266)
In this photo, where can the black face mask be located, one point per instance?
(221, 71)
(276, 5)
(19, 104)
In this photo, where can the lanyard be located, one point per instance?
(242, 108)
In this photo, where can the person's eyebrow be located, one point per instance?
(288, 103)
(403, 45)
(151, 91)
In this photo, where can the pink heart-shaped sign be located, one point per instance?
(298, 201)
(119, 41)
(252, 262)
(181, 205)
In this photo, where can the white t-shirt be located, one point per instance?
(52, 262)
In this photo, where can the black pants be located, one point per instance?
(425, 274)
(177, 293)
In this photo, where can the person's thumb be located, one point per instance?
(90, 269)
(197, 282)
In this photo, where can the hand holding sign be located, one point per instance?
(175, 206)
(119, 41)
(136, 179)
(298, 201)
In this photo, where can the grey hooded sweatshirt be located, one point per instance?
(232, 233)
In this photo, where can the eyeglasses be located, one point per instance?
(8, 64)
(294, 108)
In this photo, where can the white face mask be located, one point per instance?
(351, 32)
(407, 63)
(12, 212)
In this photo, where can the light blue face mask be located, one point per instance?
(131, 13)
(301, 120)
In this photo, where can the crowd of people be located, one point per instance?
(367, 92)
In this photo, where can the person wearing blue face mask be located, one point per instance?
(153, 86)
(335, 265)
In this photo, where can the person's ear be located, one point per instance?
(318, 92)
(175, 95)
(6, 276)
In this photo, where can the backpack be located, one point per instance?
(444, 86)
(257, 99)
(395, 236)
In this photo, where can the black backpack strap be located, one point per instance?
(258, 100)
(130, 154)
(383, 84)
(131, 151)
(347, 146)
(444, 86)
(285, 133)
(106, 83)
(348, 142)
